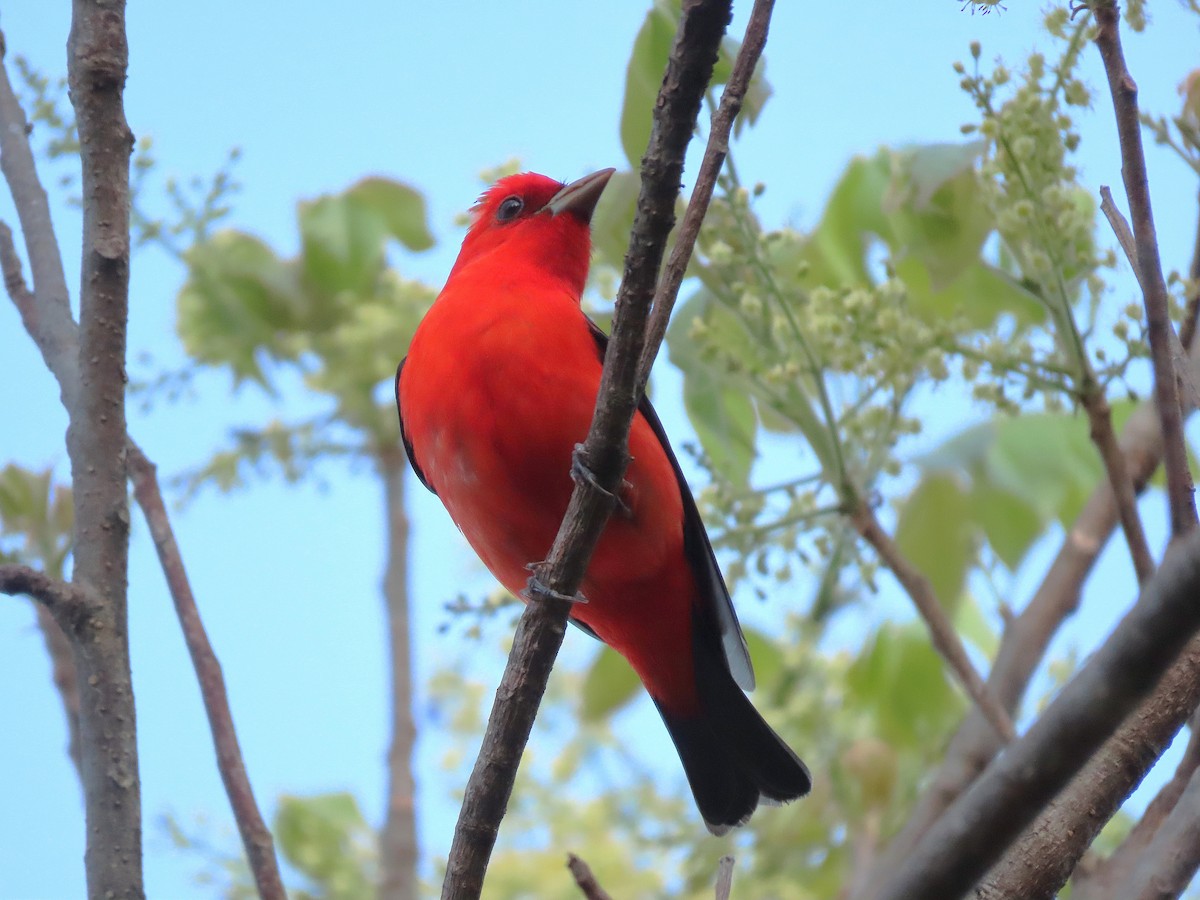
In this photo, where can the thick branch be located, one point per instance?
(1040, 863)
(945, 639)
(1133, 172)
(1173, 856)
(1097, 881)
(97, 58)
(973, 833)
(256, 837)
(543, 623)
(724, 886)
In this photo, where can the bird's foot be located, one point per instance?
(536, 589)
(580, 474)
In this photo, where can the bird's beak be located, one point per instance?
(580, 197)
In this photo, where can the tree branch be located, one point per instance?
(59, 597)
(973, 833)
(398, 839)
(585, 880)
(724, 886)
(256, 837)
(1133, 172)
(1040, 863)
(540, 631)
(1098, 880)
(945, 639)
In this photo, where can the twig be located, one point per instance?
(724, 885)
(945, 639)
(974, 832)
(542, 625)
(256, 837)
(706, 179)
(1188, 328)
(1040, 863)
(66, 680)
(46, 315)
(585, 880)
(1154, 288)
(1101, 429)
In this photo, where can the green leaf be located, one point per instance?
(327, 839)
(969, 621)
(900, 678)
(766, 657)
(613, 219)
(981, 292)
(726, 425)
(610, 683)
(1010, 524)
(936, 533)
(401, 208)
(342, 244)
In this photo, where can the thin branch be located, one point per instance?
(715, 152)
(1192, 312)
(945, 639)
(1101, 429)
(256, 837)
(585, 880)
(62, 598)
(1048, 853)
(975, 831)
(398, 839)
(724, 886)
(1133, 171)
(605, 453)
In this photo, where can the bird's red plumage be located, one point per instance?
(498, 387)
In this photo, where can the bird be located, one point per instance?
(498, 387)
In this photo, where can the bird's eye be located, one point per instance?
(509, 209)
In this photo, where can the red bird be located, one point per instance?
(498, 387)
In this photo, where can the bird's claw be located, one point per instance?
(536, 589)
(580, 474)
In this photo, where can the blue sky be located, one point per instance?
(318, 96)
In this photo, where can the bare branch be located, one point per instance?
(398, 839)
(1101, 429)
(66, 680)
(1040, 863)
(60, 597)
(945, 639)
(256, 837)
(585, 879)
(974, 832)
(1173, 856)
(724, 878)
(706, 179)
(605, 453)
(1154, 288)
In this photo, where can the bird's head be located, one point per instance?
(534, 220)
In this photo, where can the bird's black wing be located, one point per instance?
(717, 621)
(408, 447)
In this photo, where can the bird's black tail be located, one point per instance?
(730, 755)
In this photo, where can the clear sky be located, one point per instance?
(317, 95)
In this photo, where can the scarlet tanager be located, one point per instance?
(498, 387)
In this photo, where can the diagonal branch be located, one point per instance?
(542, 625)
(1149, 266)
(585, 880)
(975, 831)
(945, 639)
